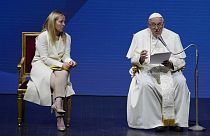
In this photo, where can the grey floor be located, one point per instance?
(91, 116)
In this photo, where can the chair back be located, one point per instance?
(28, 50)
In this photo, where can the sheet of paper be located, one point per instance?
(159, 57)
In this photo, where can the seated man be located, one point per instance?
(158, 96)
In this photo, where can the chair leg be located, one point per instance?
(20, 108)
(68, 115)
(23, 110)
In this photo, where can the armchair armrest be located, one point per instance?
(21, 77)
(20, 64)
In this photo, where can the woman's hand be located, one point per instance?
(72, 63)
(68, 65)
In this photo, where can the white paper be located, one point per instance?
(159, 57)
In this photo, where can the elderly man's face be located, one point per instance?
(156, 26)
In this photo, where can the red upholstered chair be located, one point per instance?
(24, 68)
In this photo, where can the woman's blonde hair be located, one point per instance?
(49, 26)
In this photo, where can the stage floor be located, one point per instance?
(90, 116)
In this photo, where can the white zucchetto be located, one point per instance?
(154, 15)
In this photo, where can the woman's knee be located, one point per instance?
(61, 74)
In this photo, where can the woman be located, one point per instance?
(50, 67)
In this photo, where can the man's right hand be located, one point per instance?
(143, 56)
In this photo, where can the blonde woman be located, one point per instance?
(50, 67)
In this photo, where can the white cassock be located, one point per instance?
(157, 96)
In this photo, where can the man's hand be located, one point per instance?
(143, 56)
(168, 64)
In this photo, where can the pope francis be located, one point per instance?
(158, 95)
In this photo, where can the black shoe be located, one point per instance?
(177, 129)
(160, 129)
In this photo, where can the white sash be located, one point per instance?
(167, 99)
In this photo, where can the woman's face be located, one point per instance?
(60, 24)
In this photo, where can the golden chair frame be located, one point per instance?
(24, 67)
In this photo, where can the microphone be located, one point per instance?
(160, 38)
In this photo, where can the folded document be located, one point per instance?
(159, 57)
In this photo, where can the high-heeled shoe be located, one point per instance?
(54, 108)
(60, 127)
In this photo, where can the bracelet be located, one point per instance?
(65, 68)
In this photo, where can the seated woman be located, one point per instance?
(50, 67)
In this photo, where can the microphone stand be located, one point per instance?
(196, 127)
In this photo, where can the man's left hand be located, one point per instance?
(168, 64)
